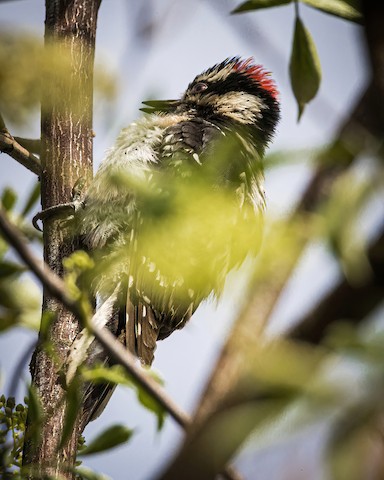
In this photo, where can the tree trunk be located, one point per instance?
(66, 156)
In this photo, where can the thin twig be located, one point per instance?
(9, 145)
(33, 145)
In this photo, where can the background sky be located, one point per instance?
(181, 39)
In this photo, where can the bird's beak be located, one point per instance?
(156, 106)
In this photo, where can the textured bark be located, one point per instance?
(66, 156)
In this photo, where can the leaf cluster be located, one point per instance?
(12, 427)
(20, 299)
(25, 62)
(304, 65)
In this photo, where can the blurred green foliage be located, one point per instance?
(20, 298)
(110, 438)
(189, 224)
(117, 375)
(26, 62)
(12, 426)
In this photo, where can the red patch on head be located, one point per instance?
(257, 73)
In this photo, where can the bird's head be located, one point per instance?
(236, 93)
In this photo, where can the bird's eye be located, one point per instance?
(199, 87)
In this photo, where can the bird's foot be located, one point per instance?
(63, 209)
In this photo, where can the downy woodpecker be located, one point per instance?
(228, 111)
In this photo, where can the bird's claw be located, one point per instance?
(64, 208)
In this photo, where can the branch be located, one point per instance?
(346, 302)
(56, 287)
(353, 137)
(356, 135)
(32, 145)
(12, 147)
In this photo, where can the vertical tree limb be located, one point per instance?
(66, 155)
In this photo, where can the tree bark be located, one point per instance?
(66, 156)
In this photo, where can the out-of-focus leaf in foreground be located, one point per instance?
(31, 199)
(99, 374)
(110, 438)
(85, 473)
(74, 402)
(151, 403)
(117, 375)
(188, 235)
(26, 64)
(20, 300)
(8, 199)
(340, 223)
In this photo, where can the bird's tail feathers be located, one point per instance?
(142, 330)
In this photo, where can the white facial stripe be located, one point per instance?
(239, 106)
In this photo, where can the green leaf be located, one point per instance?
(47, 319)
(4, 247)
(32, 199)
(7, 322)
(351, 440)
(111, 437)
(304, 67)
(74, 399)
(115, 374)
(88, 474)
(151, 403)
(9, 268)
(257, 4)
(35, 413)
(8, 199)
(346, 9)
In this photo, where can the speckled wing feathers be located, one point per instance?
(182, 141)
(191, 137)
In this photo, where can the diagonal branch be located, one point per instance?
(33, 145)
(347, 302)
(355, 136)
(57, 289)
(12, 147)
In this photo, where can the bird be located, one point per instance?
(216, 134)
